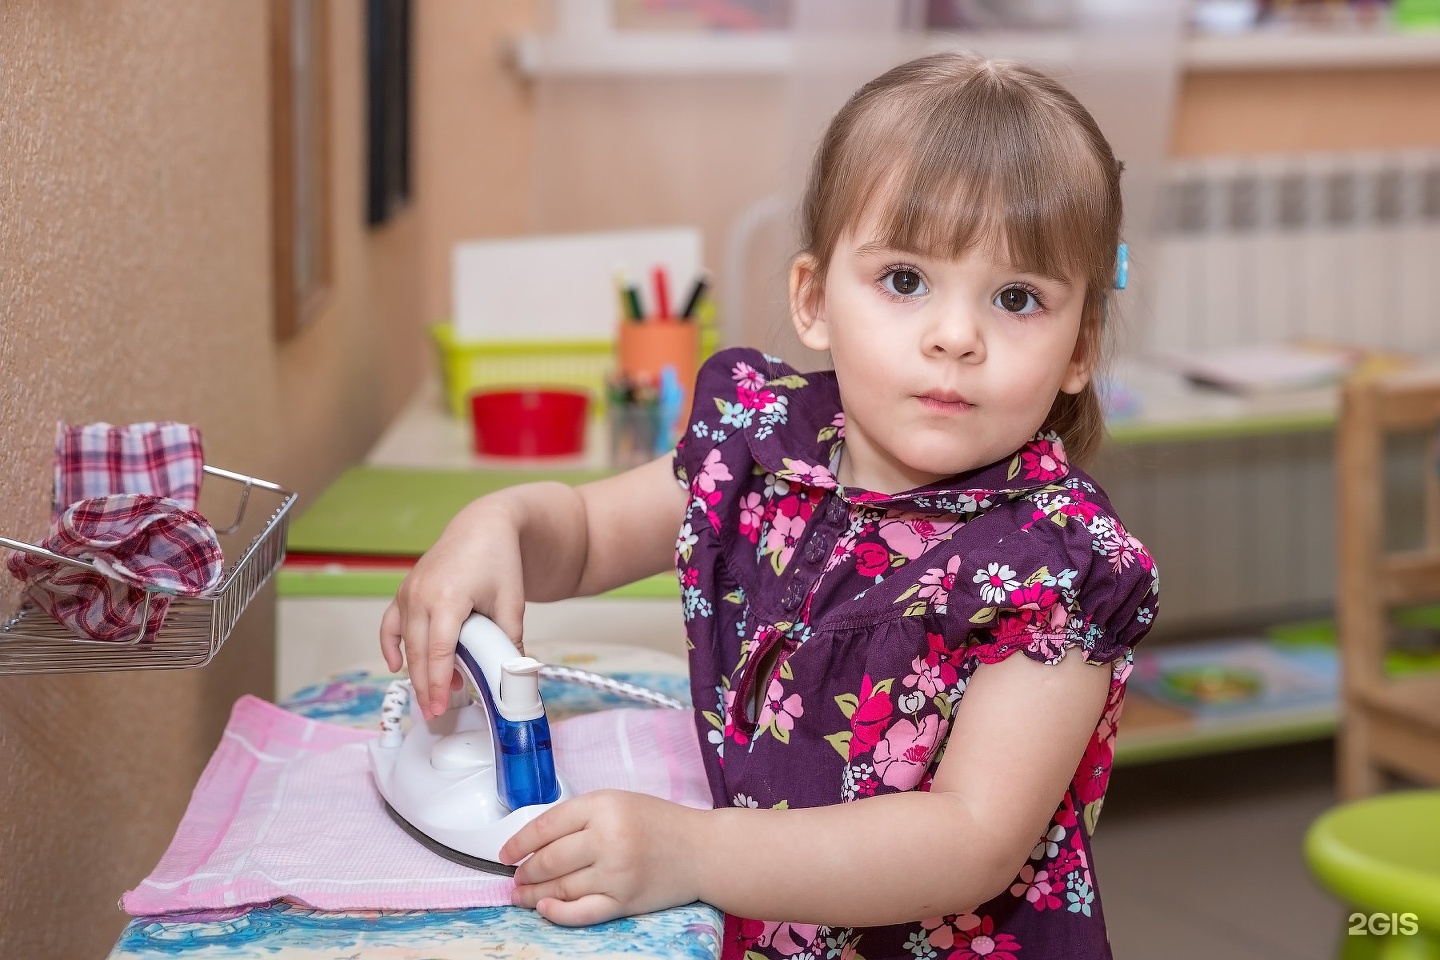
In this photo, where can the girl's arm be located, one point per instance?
(537, 541)
(1019, 733)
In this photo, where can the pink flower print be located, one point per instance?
(743, 933)
(936, 584)
(1065, 815)
(1069, 860)
(996, 581)
(1093, 774)
(733, 732)
(866, 496)
(1076, 505)
(1036, 887)
(760, 399)
(1043, 460)
(784, 533)
(809, 475)
(747, 377)
(901, 758)
(910, 535)
(780, 709)
(942, 932)
(752, 511)
(869, 719)
(787, 939)
(871, 559)
(1036, 622)
(981, 941)
(839, 424)
(937, 671)
(690, 577)
(712, 471)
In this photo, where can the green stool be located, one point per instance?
(1382, 857)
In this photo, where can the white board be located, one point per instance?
(562, 286)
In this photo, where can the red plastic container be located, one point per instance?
(529, 423)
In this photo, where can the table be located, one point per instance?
(494, 933)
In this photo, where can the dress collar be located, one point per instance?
(796, 429)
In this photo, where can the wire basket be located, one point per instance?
(194, 628)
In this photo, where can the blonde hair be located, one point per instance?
(952, 151)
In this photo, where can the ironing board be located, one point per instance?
(492, 933)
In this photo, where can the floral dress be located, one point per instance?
(832, 632)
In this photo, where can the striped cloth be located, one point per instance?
(125, 500)
(137, 542)
(160, 458)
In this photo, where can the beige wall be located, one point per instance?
(1287, 111)
(135, 284)
(474, 125)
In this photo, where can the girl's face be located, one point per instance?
(943, 365)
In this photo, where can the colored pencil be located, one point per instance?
(696, 292)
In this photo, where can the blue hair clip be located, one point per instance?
(1122, 266)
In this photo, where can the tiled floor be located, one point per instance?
(1202, 857)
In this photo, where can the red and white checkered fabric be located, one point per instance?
(160, 458)
(140, 541)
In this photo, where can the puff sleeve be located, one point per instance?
(1071, 576)
(718, 415)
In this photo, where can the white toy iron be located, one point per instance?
(465, 782)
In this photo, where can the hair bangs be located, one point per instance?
(1017, 187)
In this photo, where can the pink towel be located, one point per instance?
(286, 809)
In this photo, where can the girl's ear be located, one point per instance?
(807, 303)
(1086, 354)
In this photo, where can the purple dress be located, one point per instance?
(868, 613)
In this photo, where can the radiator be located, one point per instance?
(1261, 250)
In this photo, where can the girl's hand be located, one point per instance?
(474, 566)
(607, 854)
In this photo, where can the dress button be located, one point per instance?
(791, 600)
(836, 511)
(815, 551)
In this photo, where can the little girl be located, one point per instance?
(861, 555)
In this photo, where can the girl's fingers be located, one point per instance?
(559, 821)
(390, 637)
(416, 640)
(570, 887)
(509, 615)
(569, 854)
(444, 631)
(589, 909)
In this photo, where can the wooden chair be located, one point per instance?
(1387, 724)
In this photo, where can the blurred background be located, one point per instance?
(318, 228)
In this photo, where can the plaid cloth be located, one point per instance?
(162, 459)
(139, 541)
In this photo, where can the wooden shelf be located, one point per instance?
(1151, 731)
(640, 53)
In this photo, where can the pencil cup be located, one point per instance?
(650, 397)
(646, 349)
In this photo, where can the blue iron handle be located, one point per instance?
(524, 758)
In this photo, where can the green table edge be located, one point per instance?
(1126, 433)
(320, 583)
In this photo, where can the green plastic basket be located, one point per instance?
(468, 366)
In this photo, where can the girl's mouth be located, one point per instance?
(944, 403)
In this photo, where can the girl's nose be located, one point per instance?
(954, 333)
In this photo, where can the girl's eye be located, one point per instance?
(903, 282)
(1017, 300)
